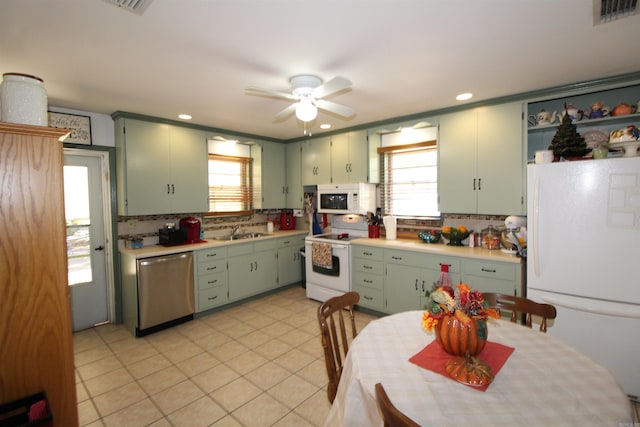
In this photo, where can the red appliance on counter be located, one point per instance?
(287, 220)
(190, 227)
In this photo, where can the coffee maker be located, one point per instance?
(287, 220)
(190, 227)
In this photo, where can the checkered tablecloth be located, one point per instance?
(543, 383)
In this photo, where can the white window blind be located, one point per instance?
(409, 180)
(230, 184)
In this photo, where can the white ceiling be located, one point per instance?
(403, 56)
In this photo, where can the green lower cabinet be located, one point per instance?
(368, 276)
(289, 259)
(492, 276)
(392, 280)
(252, 273)
(409, 275)
(211, 278)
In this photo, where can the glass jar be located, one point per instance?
(23, 100)
(490, 238)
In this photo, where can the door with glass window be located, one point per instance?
(84, 214)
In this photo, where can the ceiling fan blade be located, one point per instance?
(284, 114)
(334, 85)
(268, 92)
(332, 107)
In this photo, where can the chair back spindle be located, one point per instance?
(333, 332)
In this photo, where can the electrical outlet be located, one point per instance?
(297, 212)
(133, 223)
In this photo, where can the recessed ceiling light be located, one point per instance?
(464, 96)
(325, 126)
(184, 117)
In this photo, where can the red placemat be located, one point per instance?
(434, 358)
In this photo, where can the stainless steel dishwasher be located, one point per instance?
(165, 292)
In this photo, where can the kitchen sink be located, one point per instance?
(242, 236)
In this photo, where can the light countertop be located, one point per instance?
(158, 250)
(440, 249)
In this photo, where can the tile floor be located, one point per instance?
(256, 364)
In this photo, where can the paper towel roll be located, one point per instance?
(390, 226)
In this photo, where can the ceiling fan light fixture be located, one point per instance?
(306, 111)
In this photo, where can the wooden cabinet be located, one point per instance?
(253, 269)
(349, 157)
(481, 161)
(367, 268)
(36, 353)
(272, 176)
(294, 191)
(316, 161)
(161, 169)
(290, 260)
(211, 278)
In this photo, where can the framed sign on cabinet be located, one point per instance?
(80, 127)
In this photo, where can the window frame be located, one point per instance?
(386, 151)
(246, 162)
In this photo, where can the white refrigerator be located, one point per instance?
(583, 256)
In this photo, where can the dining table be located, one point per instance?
(539, 381)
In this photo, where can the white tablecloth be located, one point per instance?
(543, 383)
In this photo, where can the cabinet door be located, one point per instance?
(289, 265)
(147, 152)
(273, 175)
(500, 162)
(316, 161)
(457, 179)
(189, 170)
(265, 273)
(340, 158)
(358, 156)
(349, 157)
(241, 277)
(294, 176)
(402, 288)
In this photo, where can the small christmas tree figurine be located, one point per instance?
(567, 142)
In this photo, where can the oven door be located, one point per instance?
(336, 278)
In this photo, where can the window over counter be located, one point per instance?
(230, 178)
(409, 179)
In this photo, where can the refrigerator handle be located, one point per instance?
(605, 312)
(534, 226)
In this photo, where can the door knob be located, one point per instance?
(99, 248)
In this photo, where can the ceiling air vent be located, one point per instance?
(610, 10)
(136, 6)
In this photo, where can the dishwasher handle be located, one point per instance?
(163, 259)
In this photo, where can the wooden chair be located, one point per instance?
(391, 415)
(521, 305)
(333, 331)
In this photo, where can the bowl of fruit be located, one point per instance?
(430, 236)
(455, 235)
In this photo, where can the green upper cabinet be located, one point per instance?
(316, 161)
(294, 192)
(273, 175)
(161, 169)
(349, 157)
(481, 161)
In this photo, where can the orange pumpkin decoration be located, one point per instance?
(460, 339)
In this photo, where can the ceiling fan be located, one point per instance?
(308, 94)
